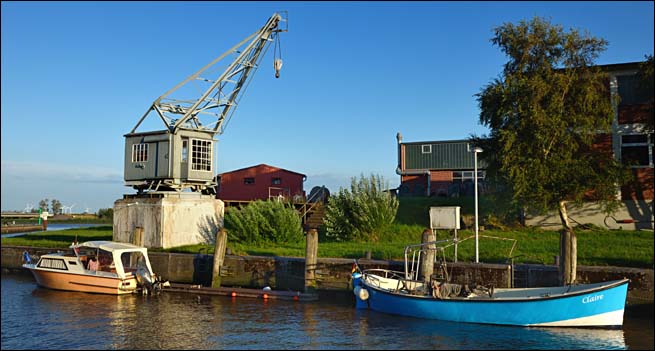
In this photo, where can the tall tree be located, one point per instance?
(43, 205)
(544, 113)
(56, 206)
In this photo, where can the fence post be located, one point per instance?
(219, 257)
(311, 258)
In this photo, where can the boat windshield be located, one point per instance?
(133, 260)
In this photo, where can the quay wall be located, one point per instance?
(333, 274)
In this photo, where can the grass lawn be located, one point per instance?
(621, 248)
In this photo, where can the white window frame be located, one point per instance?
(201, 155)
(468, 175)
(429, 149)
(648, 144)
(140, 153)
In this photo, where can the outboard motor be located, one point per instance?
(149, 283)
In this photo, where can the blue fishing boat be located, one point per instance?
(403, 293)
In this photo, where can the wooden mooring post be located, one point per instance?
(219, 257)
(427, 257)
(311, 259)
(137, 238)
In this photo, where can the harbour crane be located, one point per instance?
(182, 154)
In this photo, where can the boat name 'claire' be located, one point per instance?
(594, 298)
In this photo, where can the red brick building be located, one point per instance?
(260, 182)
(631, 141)
(445, 168)
(437, 168)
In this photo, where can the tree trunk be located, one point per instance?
(568, 249)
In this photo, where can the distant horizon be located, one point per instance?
(77, 76)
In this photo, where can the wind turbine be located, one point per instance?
(28, 208)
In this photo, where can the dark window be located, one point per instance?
(53, 263)
(276, 181)
(637, 150)
(248, 180)
(632, 90)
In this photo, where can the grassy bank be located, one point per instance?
(595, 247)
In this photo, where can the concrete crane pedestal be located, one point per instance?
(167, 219)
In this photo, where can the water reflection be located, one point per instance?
(443, 334)
(38, 318)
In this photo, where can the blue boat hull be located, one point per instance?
(600, 306)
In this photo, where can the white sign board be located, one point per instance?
(44, 215)
(446, 217)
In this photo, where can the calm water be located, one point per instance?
(39, 318)
(55, 226)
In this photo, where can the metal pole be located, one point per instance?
(475, 177)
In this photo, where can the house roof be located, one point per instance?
(457, 141)
(262, 165)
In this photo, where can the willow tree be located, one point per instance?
(544, 112)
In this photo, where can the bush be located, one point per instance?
(262, 222)
(361, 214)
(106, 213)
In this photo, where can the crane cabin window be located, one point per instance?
(185, 151)
(140, 152)
(201, 155)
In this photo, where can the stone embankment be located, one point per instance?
(333, 274)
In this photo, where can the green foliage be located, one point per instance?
(56, 206)
(647, 81)
(263, 222)
(43, 205)
(106, 213)
(362, 213)
(545, 112)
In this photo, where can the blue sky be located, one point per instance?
(77, 76)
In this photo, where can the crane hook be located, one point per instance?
(277, 64)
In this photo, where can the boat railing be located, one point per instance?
(414, 252)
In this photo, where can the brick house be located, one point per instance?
(445, 168)
(437, 168)
(631, 143)
(260, 182)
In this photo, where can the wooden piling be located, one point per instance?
(311, 259)
(427, 257)
(219, 257)
(137, 238)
